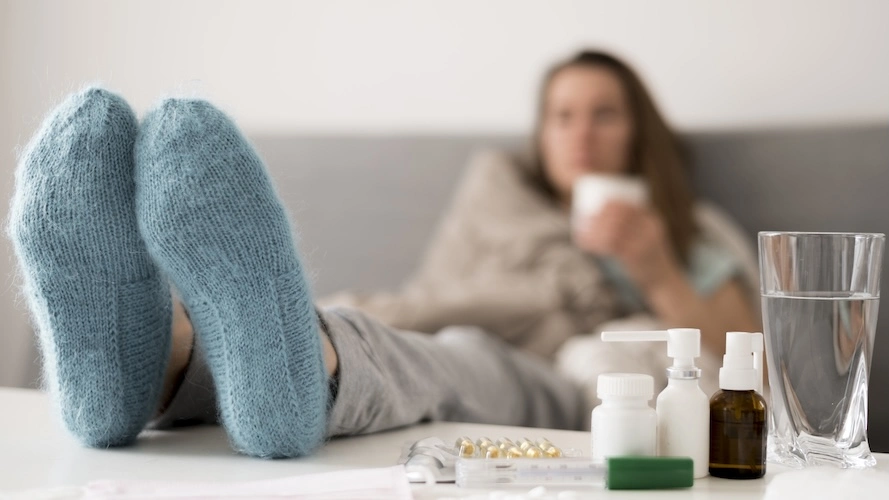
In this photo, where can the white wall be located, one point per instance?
(436, 66)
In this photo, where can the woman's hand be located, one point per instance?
(635, 236)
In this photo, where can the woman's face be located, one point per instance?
(586, 128)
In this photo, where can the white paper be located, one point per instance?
(382, 483)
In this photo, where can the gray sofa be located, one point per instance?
(365, 206)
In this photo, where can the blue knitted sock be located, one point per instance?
(213, 223)
(101, 309)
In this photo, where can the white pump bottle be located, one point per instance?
(683, 409)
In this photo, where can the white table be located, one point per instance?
(35, 452)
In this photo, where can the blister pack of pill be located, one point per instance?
(432, 460)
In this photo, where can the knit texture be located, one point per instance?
(101, 310)
(212, 221)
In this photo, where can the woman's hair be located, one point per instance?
(656, 152)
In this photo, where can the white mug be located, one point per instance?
(592, 191)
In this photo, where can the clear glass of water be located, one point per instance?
(820, 295)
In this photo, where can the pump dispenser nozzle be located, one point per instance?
(683, 345)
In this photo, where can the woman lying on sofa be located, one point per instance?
(109, 213)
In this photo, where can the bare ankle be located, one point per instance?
(331, 361)
(180, 354)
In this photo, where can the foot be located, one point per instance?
(183, 343)
(101, 309)
(211, 220)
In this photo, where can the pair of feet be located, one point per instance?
(107, 214)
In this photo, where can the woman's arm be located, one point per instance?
(676, 303)
(637, 238)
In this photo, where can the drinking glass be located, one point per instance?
(820, 295)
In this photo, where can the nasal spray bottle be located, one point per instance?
(738, 425)
(682, 407)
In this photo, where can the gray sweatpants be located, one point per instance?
(390, 378)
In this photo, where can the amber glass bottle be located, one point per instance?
(738, 428)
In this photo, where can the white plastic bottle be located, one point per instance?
(683, 409)
(624, 424)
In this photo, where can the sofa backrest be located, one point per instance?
(365, 206)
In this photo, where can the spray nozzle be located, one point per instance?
(683, 345)
(742, 363)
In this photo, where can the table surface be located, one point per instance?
(35, 452)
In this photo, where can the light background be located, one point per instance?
(429, 67)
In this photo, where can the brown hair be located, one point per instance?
(656, 153)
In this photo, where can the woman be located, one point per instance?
(506, 259)
(108, 214)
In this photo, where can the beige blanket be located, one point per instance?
(502, 259)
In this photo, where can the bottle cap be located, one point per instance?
(683, 345)
(625, 386)
(649, 473)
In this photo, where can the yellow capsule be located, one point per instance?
(514, 452)
(505, 444)
(466, 447)
(553, 452)
(534, 452)
(493, 452)
(525, 444)
(484, 443)
(544, 443)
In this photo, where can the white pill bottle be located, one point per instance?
(624, 424)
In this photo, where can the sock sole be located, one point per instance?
(214, 224)
(100, 307)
